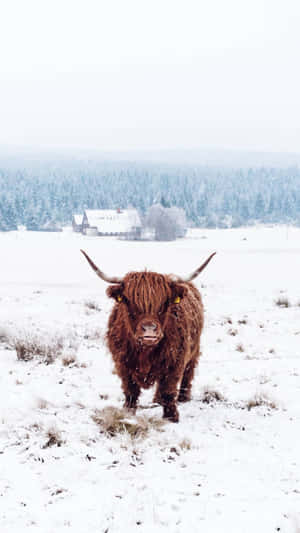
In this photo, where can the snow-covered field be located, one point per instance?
(231, 465)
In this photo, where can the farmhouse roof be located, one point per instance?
(113, 220)
(78, 219)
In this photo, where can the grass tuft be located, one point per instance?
(69, 360)
(113, 422)
(46, 349)
(240, 348)
(4, 335)
(92, 334)
(92, 305)
(283, 302)
(185, 444)
(261, 400)
(212, 395)
(54, 438)
(29, 347)
(42, 403)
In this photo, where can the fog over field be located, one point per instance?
(71, 459)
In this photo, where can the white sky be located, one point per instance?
(137, 74)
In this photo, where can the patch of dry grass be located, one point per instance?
(211, 395)
(69, 360)
(272, 350)
(233, 332)
(240, 347)
(185, 444)
(91, 305)
(45, 348)
(42, 403)
(261, 400)
(54, 438)
(4, 335)
(113, 421)
(103, 396)
(29, 347)
(92, 334)
(283, 302)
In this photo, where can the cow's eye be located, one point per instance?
(119, 298)
(177, 300)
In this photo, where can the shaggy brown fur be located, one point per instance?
(154, 335)
(171, 362)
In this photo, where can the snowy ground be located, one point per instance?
(231, 465)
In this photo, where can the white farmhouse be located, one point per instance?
(118, 222)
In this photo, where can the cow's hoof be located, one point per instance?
(171, 414)
(174, 418)
(184, 398)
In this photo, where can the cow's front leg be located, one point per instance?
(167, 394)
(132, 391)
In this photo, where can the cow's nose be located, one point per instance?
(152, 326)
(149, 332)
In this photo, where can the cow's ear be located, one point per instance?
(178, 292)
(115, 291)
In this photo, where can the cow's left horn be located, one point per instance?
(99, 272)
(197, 272)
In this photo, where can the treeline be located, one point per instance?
(46, 195)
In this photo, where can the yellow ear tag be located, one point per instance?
(119, 298)
(177, 300)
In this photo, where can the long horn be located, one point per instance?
(197, 272)
(99, 272)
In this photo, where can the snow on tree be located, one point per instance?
(169, 223)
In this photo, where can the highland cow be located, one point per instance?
(154, 334)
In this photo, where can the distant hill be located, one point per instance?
(212, 157)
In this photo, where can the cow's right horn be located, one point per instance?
(197, 272)
(99, 272)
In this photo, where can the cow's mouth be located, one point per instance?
(149, 340)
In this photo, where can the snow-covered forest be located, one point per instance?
(47, 194)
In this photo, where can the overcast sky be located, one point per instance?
(155, 74)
